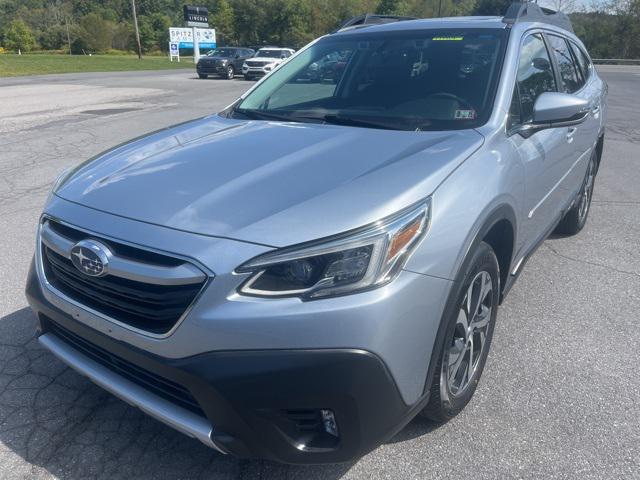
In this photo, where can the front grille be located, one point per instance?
(158, 385)
(150, 307)
(256, 63)
(210, 67)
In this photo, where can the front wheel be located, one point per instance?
(576, 218)
(231, 72)
(468, 332)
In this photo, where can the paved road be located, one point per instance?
(559, 397)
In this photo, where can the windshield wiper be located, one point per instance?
(260, 115)
(356, 122)
(332, 118)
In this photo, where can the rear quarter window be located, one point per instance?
(583, 61)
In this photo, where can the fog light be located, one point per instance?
(329, 421)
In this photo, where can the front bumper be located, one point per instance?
(210, 68)
(256, 71)
(250, 402)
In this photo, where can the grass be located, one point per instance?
(12, 65)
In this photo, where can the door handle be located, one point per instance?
(570, 132)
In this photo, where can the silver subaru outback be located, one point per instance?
(297, 277)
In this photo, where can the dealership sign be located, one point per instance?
(184, 37)
(196, 16)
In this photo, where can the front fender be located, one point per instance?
(485, 189)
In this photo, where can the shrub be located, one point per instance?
(79, 46)
(19, 37)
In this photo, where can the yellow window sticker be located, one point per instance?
(447, 39)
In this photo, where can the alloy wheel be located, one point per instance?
(470, 334)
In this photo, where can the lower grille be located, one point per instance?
(210, 69)
(158, 385)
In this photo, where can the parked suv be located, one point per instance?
(225, 62)
(298, 276)
(265, 60)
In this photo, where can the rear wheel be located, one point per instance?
(203, 75)
(576, 218)
(467, 338)
(231, 72)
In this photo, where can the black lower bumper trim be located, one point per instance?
(249, 395)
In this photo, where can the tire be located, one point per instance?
(231, 72)
(576, 218)
(203, 75)
(453, 382)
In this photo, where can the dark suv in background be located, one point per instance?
(224, 62)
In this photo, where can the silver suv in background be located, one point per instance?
(296, 277)
(264, 61)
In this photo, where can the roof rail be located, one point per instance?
(371, 19)
(531, 12)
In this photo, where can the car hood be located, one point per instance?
(212, 59)
(266, 59)
(273, 183)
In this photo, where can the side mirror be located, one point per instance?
(554, 109)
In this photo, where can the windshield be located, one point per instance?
(221, 52)
(270, 53)
(413, 80)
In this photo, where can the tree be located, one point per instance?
(147, 35)
(288, 23)
(19, 37)
(491, 7)
(123, 36)
(96, 32)
(391, 7)
(79, 46)
(223, 21)
(249, 20)
(565, 6)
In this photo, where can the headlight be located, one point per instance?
(244, 65)
(362, 259)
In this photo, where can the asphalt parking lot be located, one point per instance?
(559, 398)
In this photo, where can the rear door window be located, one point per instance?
(572, 80)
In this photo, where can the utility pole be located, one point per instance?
(440, 8)
(66, 21)
(135, 24)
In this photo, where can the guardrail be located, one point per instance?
(616, 61)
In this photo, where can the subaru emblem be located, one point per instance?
(91, 257)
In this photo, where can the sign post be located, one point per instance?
(196, 45)
(196, 17)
